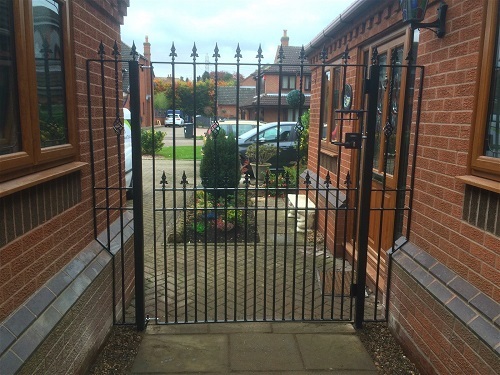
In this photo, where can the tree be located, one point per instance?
(161, 102)
(220, 165)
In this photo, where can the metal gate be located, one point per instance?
(217, 243)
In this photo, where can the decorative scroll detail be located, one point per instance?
(184, 181)
(259, 56)
(323, 55)
(345, 55)
(328, 180)
(100, 51)
(163, 181)
(307, 180)
(302, 55)
(299, 128)
(134, 52)
(216, 54)
(194, 53)
(281, 55)
(348, 181)
(173, 54)
(238, 55)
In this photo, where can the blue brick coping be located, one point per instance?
(468, 304)
(26, 328)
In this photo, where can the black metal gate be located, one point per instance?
(217, 243)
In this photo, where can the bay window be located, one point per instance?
(37, 124)
(485, 155)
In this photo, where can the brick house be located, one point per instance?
(227, 101)
(145, 83)
(445, 280)
(270, 81)
(56, 260)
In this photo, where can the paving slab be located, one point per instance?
(168, 354)
(264, 352)
(252, 347)
(333, 352)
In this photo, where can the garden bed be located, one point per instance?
(209, 225)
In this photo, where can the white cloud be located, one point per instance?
(227, 23)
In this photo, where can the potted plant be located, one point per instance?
(259, 157)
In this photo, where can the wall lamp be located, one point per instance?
(414, 13)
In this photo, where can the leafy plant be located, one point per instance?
(220, 165)
(235, 216)
(199, 227)
(151, 142)
(295, 98)
(261, 154)
(303, 138)
(286, 179)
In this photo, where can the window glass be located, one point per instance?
(397, 70)
(10, 127)
(285, 133)
(48, 48)
(492, 134)
(269, 134)
(337, 91)
(307, 83)
(383, 80)
(326, 103)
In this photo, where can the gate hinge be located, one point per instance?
(352, 140)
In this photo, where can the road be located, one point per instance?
(178, 134)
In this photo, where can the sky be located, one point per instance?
(227, 23)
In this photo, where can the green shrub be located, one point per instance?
(220, 166)
(304, 138)
(265, 153)
(151, 142)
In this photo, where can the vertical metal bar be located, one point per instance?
(194, 55)
(118, 127)
(135, 107)
(364, 207)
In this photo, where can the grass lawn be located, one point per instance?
(181, 152)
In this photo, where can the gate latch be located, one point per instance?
(352, 140)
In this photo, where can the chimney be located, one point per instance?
(147, 49)
(284, 39)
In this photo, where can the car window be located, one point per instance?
(286, 133)
(269, 134)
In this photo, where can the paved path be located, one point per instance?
(253, 348)
(279, 277)
(186, 283)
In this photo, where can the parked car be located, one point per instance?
(274, 133)
(230, 126)
(171, 118)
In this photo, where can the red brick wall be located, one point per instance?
(27, 262)
(434, 337)
(445, 129)
(447, 116)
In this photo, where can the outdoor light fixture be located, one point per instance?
(414, 13)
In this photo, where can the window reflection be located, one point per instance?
(10, 127)
(47, 28)
(492, 136)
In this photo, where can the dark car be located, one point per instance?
(277, 134)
